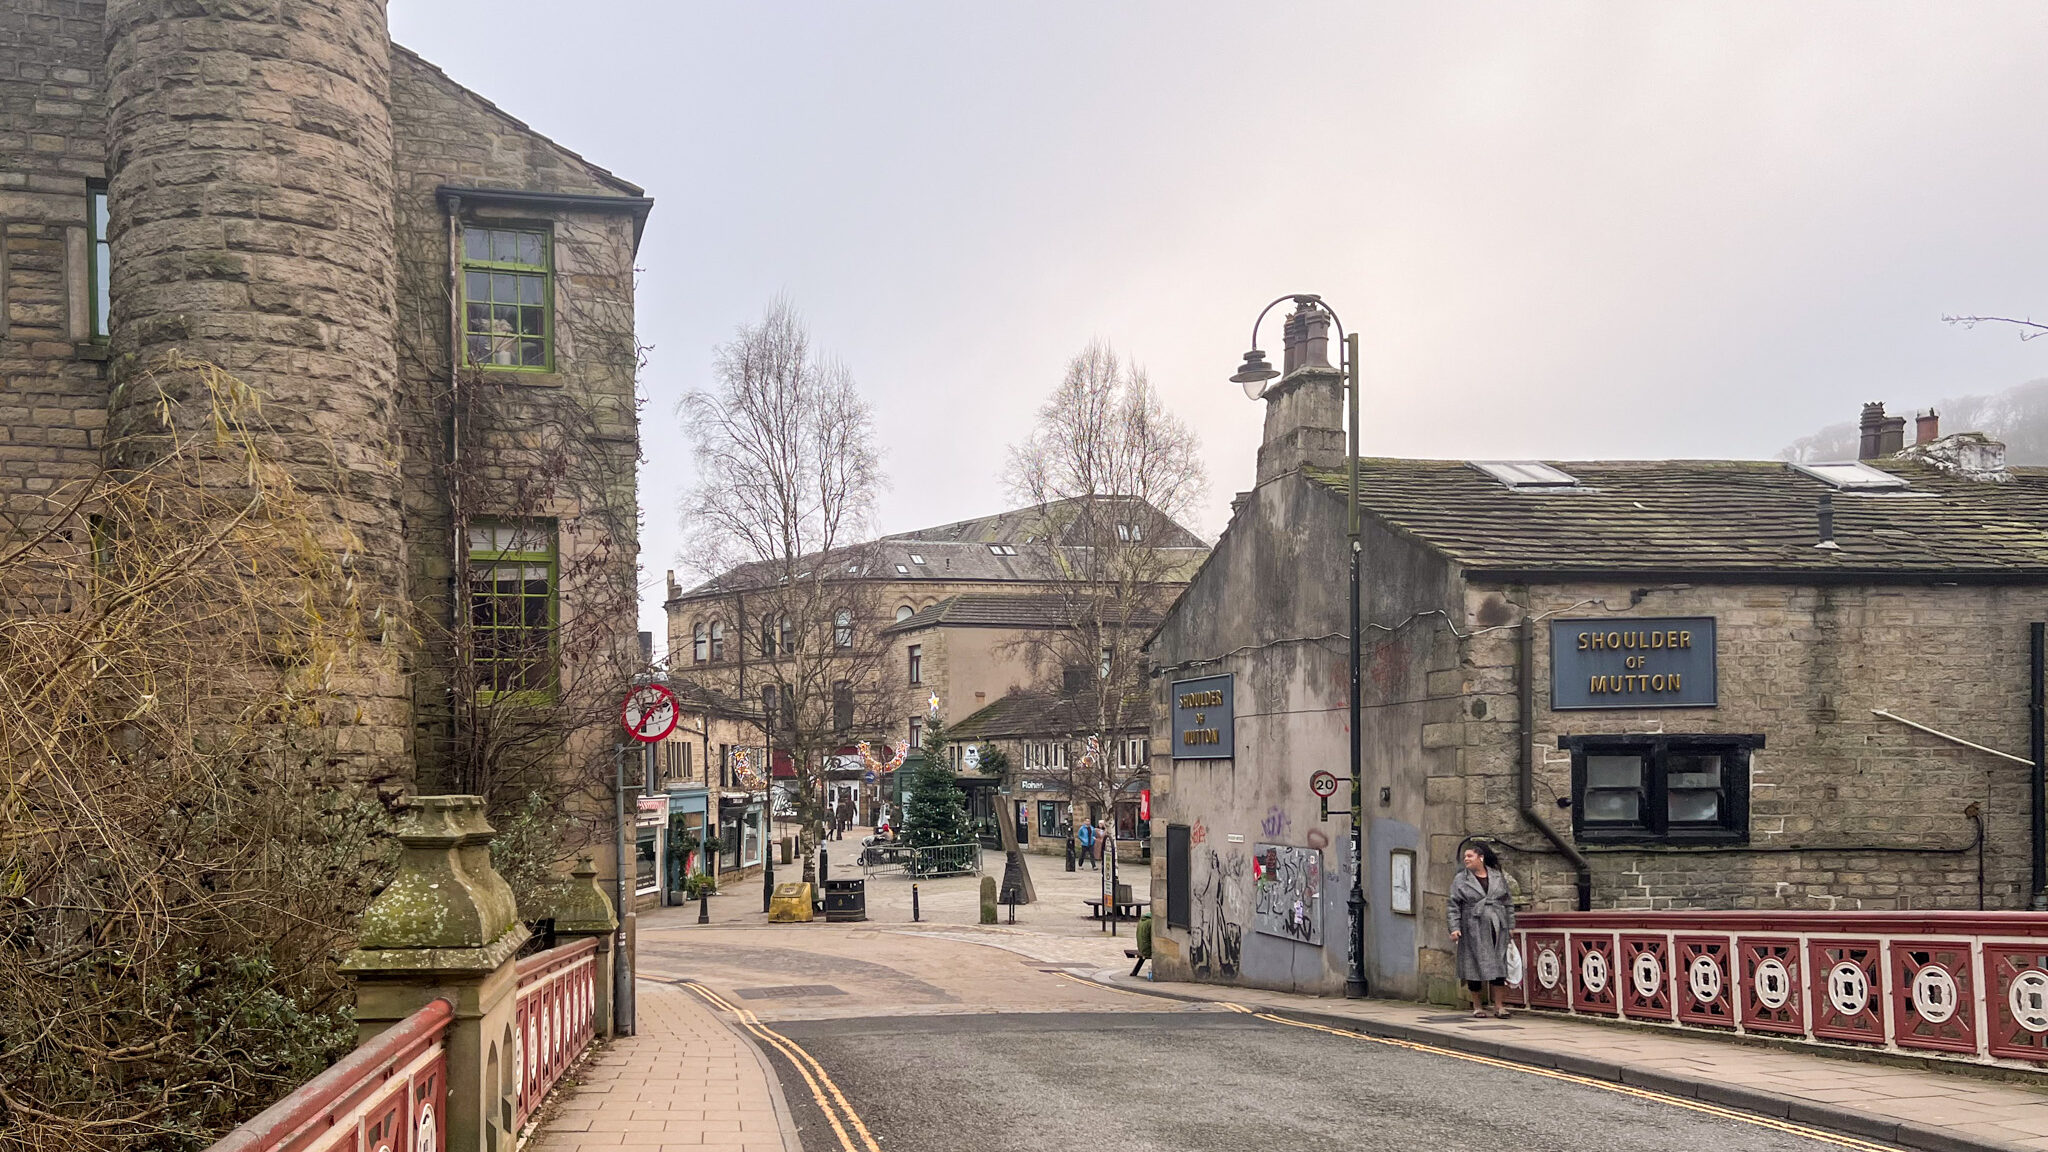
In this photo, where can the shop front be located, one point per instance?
(650, 837)
(686, 819)
(741, 830)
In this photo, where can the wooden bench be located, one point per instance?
(1132, 953)
(1116, 910)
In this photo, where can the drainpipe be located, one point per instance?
(2039, 750)
(1525, 781)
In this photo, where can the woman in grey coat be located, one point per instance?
(1482, 915)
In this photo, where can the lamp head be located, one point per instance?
(1254, 373)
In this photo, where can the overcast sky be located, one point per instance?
(1565, 231)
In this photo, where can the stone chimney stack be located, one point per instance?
(250, 195)
(1927, 427)
(1305, 407)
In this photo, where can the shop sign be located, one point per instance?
(1202, 714)
(1633, 662)
(653, 812)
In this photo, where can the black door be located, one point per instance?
(1177, 850)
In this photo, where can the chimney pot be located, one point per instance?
(1927, 427)
(1307, 335)
(1869, 430)
(1891, 436)
(1827, 521)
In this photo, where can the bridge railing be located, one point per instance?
(390, 1093)
(1957, 985)
(555, 1018)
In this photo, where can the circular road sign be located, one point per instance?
(649, 713)
(1323, 784)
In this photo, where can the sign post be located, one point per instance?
(648, 715)
(1324, 785)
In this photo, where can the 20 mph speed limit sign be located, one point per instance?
(1323, 784)
(649, 713)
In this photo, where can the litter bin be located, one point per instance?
(846, 900)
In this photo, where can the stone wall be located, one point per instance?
(561, 444)
(250, 195)
(53, 394)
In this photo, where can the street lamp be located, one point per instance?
(1253, 374)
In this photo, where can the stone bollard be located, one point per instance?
(447, 927)
(988, 899)
(585, 912)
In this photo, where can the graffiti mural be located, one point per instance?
(1216, 939)
(1276, 821)
(1289, 884)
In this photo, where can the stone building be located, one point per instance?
(435, 302)
(1650, 684)
(968, 611)
(1055, 780)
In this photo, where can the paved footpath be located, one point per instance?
(1927, 1109)
(686, 1081)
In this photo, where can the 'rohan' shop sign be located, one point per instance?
(1202, 713)
(1633, 662)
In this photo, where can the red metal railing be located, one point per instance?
(557, 1001)
(1964, 985)
(389, 1095)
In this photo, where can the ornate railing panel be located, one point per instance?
(1964, 985)
(389, 1095)
(557, 999)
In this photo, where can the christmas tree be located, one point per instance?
(935, 811)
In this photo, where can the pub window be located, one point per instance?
(505, 275)
(512, 605)
(1678, 789)
(100, 253)
(917, 663)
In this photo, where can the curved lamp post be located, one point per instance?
(1254, 374)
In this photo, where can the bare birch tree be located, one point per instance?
(1113, 473)
(788, 473)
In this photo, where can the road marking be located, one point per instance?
(805, 1066)
(1771, 1122)
(1097, 985)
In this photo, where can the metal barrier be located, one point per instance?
(1955, 985)
(557, 994)
(922, 863)
(388, 1093)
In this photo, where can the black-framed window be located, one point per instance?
(1680, 789)
(1052, 819)
(99, 254)
(917, 663)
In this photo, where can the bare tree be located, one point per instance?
(1113, 473)
(788, 473)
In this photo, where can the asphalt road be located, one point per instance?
(953, 1045)
(1199, 1081)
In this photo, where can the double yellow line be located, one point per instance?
(1772, 1123)
(815, 1077)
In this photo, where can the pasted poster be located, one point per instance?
(1287, 885)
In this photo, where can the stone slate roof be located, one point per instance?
(1704, 517)
(998, 610)
(1044, 714)
(695, 697)
(961, 551)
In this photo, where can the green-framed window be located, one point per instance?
(506, 288)
(513, 607)
(98, 253)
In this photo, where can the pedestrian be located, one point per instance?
(845, 816)
(1482, 917)
(1085, 837)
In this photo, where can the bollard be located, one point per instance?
(913, 903)
(703, 905)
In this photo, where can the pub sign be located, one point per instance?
(1202, 714)
(1633, 662)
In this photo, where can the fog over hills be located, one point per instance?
(2018, 416)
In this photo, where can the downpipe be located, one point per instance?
(1525, 776)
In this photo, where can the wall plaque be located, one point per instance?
(1633, 662)
(1202, 713)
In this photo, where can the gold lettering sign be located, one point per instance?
(1201, 736)
(1210, 699)
(1609, 641)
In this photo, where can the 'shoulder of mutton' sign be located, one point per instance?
(1202, 713)
(1633, 662)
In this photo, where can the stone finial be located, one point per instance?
(584, 909)
(447, 909)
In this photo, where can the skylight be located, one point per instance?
(1526, 473)
(902, 571)
(1853, 476)
(916, 559)
(1002, 549)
